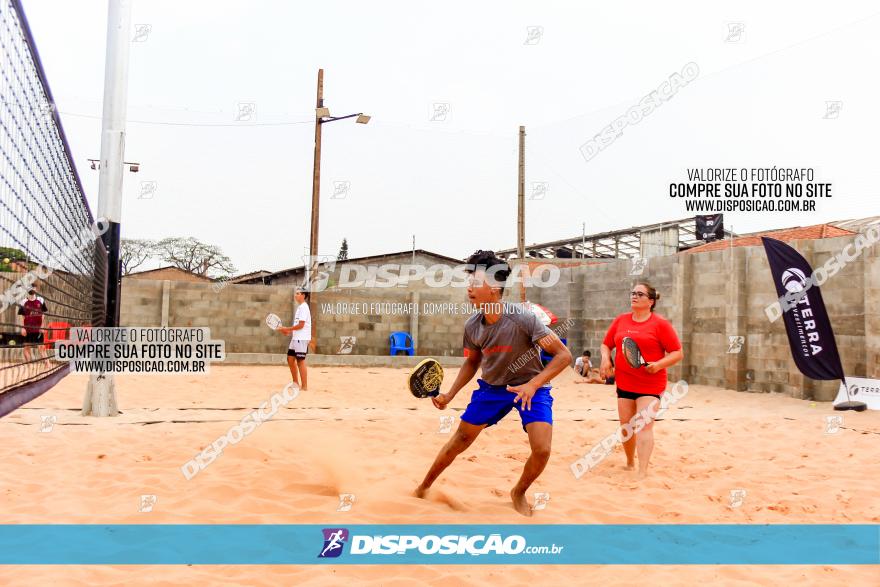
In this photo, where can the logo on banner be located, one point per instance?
(863, 389)
(334, 540)
(794, 280)
(807, 323)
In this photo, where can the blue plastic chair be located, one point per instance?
(401, 341)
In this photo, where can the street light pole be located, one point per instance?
(322, 116)
(316, 185)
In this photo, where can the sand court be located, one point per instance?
(720, 457)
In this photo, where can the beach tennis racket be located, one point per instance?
(632, 353)
(425, 379)
(273, 321)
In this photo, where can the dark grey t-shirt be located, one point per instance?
(510, 355)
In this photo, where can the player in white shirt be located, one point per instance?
(583, 366)
(299, 341)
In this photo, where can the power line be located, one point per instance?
(222, 124)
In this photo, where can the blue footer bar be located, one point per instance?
(252, 544)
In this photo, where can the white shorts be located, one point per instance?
(298, 349)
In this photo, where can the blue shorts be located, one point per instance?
(490, 403)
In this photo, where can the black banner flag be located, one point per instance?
(710, 227)
(806, 321)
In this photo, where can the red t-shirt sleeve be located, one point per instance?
(612, 331)
(668, 337)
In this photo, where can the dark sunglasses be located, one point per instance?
(638, 294)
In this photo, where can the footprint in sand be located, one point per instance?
(440, 497)
(315, 488)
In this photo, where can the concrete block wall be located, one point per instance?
(871, 302)
(712, 296)
(440, 332)
(141, 303)
(592, 295)
(236, 314)
(372, 328)
(707, 296)
(706, 318)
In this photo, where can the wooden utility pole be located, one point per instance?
(521, 205)
(312, 269)
(316, 180)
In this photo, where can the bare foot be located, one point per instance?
(420, 492)
(520, 503)
(642, 474)
(630, 467)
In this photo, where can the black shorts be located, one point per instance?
(296, 355)
(621, 394)
(300, 350)
(33, 338)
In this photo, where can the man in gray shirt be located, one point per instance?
(502, 338)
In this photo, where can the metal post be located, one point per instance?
(521, 208)
(521, 197)
(100, 398)
(584, 241)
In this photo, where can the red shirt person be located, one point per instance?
(655, 337)
(638, 389)
(32, 310)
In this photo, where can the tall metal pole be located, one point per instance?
(584, 241)
(521, 207)
(521, 197)
(100, 398)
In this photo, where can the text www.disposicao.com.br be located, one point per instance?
(750, 205)
(138, 366)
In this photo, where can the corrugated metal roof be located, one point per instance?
(785, 234)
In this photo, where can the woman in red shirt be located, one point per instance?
(640, 389)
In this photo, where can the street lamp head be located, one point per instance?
(362, 119)
(322, 112)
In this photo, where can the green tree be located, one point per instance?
(8, 256)
(191, 254)
(343, 251)
(134, 252)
